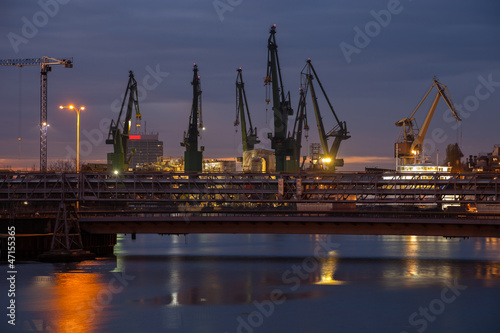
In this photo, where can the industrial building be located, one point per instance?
(147, 149)
(485, 162)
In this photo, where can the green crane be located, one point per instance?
(293, 164)
(282, 145)
(193, 158)
(338, 132)
(119, 131)
(248, 136)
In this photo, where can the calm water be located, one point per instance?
(267, 283)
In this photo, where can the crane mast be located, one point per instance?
(338, 132)
(193, 158)
(119, 131)
(409, 147)
(300, 124)
(282, 145)
(248, 136)
(45, 64)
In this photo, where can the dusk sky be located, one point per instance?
(376, 59)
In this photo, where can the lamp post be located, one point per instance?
(81, 108)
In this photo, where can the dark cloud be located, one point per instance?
(381, 84)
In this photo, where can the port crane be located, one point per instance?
(338, 132)
(45, 64)
(283, 146)
(119, 131)
(295, 136)
(248, 135)
(193, 158)
(409, 147)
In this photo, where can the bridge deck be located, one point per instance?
(216, 203)
(355, 223)
(257, 188)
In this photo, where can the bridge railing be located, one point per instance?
(274, 188)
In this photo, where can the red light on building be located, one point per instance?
(134, 137)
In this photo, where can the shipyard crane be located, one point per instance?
(193, 158)
(248, 136)
(338, 132)
(119, 131)
(409, 147)
(282, 145)
(45, 64)
(295, 136)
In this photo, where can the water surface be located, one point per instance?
(268, 283)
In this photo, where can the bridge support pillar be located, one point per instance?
(67, 234)
(67, 239)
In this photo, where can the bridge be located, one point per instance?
(261, 189)
(331, 203)
(302, 222)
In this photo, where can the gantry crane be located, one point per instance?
(248, 136)
(282, 145)
(338, 132)
(119, 131)
(193, 158)
(45, 64)
(409, 147)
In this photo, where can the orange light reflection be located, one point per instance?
(76, 303)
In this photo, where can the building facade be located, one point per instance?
(148, 149)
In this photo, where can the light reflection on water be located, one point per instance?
(228, 274)
(328, 266)
(74, 295)
(66, 299)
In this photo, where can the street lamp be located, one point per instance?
(81, 108)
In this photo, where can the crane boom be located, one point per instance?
(300, 124)
(339, 131)
(119, 131)
(442, 92)
(44, 63)
(193, 159)
(282, 145)
(409, 147)
(248, 136)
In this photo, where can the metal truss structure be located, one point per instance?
(229, 188)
